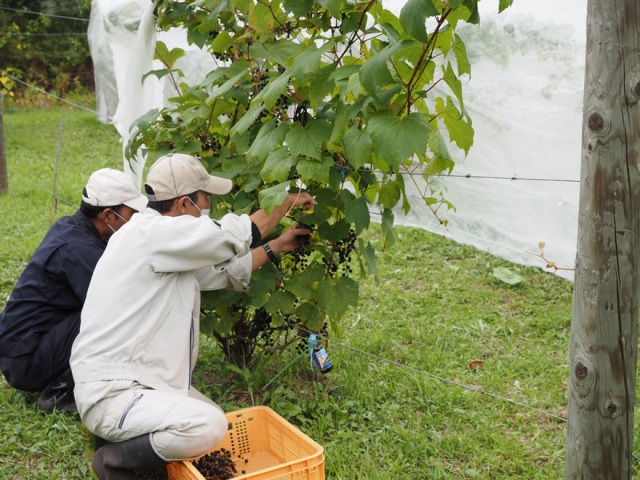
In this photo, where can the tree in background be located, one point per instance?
(47, 51)
(341, 98)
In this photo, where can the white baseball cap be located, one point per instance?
(108, 188)
(178, 174)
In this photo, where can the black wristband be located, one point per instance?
(256, 236)
(272, 256)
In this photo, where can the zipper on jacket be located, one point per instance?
(128, 409)
(190, 352)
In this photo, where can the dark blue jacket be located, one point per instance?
(53, 286)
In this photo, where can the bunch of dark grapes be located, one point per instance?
(262, 330)
(301, 346)
(340, 260)
(212, 145)
(301, 114)
(285, 29)
(300, 255)
(217, 465)
(280, 113)
(222, 56)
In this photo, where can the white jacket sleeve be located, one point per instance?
(235, 274)
(186, 243)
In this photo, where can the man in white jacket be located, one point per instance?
(138, 342)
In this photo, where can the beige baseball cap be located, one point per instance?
(108, 188)
(178, 174)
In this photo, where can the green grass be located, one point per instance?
(401, 402)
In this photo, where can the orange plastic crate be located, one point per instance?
(275, 449)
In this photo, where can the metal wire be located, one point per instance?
(43, 14)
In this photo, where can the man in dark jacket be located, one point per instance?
(42, 316)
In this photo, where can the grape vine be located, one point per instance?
(334, 97)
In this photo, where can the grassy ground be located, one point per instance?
(442, 372)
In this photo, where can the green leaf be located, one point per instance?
(281, 301)
(277, 165)
(274, 89)
(454, 83)
(339, 125)
(311, 170)
(441, 160)
(462, 60)
(147, 119)
(167, 57)
(344, 72)
(298, 7)
(242, 5)
(307, 141)
(397, 139)
(336, 299)
(304, 285)
(311, 316)
(156, 73)
(282, 51)
(247, 119)
(273, 196)
(358, 147)
(507, 276)
(269, 137)
(389, 195)
(387, 226)
(459, 128)
(307, 61)
(356, 211)
(222, 42)
(261, 19)
(375, 72)
(333, 6)
(197, 37)
(336, 232)
(504, 4)
(472, 5)
(438, 145)
(262, 284)
(413, 17)
(368, 253)
(460, 13)
(220, 90)
(321, 85)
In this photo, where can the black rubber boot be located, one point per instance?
(58, 395)
(127, 460)
(96, 442)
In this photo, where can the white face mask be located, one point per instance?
(204, 212)
(120, 216)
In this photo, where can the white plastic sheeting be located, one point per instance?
(524, 97)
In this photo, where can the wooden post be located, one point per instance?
(604, 327)
(4, 174)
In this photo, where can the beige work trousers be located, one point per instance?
(183, 426)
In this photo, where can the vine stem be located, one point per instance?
(423, 194)
(550, 264)
(429, 46)
(171, 78)
(353, 37)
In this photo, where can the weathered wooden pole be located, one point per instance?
(4, 175)
(604, 327)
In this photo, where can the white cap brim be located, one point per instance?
(138, 203)
(218, 186)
